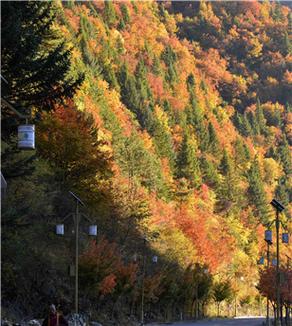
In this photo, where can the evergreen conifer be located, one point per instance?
(34, 58)
(256, 193)
(109, 13)
(187, 163)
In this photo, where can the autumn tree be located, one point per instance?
(221, 291)
(267, 285)
(69, 140)
(102, 270)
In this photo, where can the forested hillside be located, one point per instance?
(172, 122)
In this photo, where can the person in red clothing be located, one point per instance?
(54, 318)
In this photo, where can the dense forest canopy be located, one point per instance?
(172, 122)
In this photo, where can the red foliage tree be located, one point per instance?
(102, 270)
(268, 283)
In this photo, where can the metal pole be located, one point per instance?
(143, 276)
(235, 304)
(197, 310)
(288, 308)
(277, 270)
(76, 255)
(268, 265)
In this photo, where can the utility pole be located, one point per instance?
(143, 276)
(269, 241)
(92, 231)
(76, 227)
(197, 303)
(279, 208)
(268, 265)
(277, 269)
(76, 221)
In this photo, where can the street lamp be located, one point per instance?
(269, 241)
(279, 208)
(143, 276)
(285, 238)
(154, 260)
(91, 231)
(26, 132)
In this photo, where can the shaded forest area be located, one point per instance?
(172, 122)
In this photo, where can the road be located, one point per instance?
(219, 322)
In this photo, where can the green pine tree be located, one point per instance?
(209, 172)
(109, 13)
(242, 124)
(277, 13)
(142, 84)
(187, 163)
(141, 165)
(195, 118)
(145, 107)
(228, 189)
(256, 193)
(125, 13)
(226, 165)
(163, 142)
(213, 144)
(129, 92)
(110, 76)
(246, 126)
(284, 155)
(34, 59)
(121, 25)
(242, 154)
(251, 118)
(169, 57)
(190, 83)
(261, 120)
(282, 191)
(156, 67)
(203, 86)
(288, 44)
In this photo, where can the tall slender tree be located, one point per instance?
(187, 163)
(35, 60)
(255, 192)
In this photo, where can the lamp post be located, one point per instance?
(143, 276)
(154, 260)
(76, 224)
(268, 239)
(279, 208)
(92, 231)
(289, 290)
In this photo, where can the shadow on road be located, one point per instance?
(242, 321)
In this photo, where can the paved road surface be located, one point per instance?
(220, 322)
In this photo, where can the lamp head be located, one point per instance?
(268, 237)
(279, 207)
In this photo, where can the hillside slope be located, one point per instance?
(179, 134)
